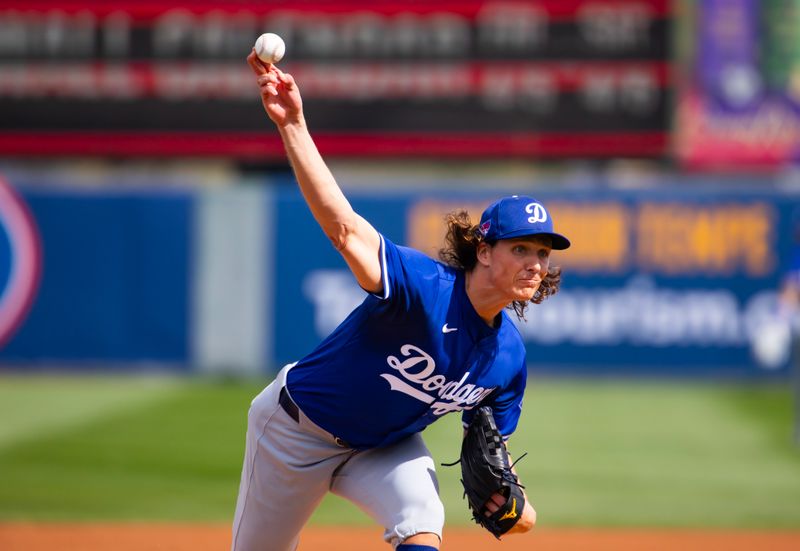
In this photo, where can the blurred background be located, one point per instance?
(158, 265)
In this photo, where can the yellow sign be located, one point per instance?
(599, 234)
(719, 239)
(614, 237)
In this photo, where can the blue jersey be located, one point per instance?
(403, 359)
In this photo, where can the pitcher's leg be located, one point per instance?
(285, 475)
(396, 486)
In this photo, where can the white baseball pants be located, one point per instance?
(290, 465)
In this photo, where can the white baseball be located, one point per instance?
(270, 48)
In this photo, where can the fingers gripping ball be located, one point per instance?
(270, 48)
(485, 471)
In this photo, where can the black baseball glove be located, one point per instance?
(485, 471)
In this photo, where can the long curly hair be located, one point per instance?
(461, 251)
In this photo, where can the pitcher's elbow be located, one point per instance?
(339, 234)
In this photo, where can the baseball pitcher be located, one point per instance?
(432, 337)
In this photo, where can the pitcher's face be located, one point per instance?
(518, 266)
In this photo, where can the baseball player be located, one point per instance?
(430, 338)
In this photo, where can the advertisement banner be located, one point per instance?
(655, 283)
(741, 104)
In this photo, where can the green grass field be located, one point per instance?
(601, 453)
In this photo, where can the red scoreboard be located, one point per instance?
(539, 79)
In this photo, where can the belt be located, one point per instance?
(288, 406)
(293, 411)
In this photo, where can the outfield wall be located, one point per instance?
(113, 272)
(241, 279)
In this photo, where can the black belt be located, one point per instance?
(294, 412)
(288, 406)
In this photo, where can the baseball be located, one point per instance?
(270, 48)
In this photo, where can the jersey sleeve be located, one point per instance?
(506, 404)
(409, 276)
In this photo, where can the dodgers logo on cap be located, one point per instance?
(538, 211)
(519, 216)
(20, 261)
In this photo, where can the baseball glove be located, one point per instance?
(485, 471)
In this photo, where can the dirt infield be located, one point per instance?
(205, 537)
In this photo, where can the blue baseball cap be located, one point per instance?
(519, 216)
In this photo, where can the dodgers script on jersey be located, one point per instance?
(403, 359)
